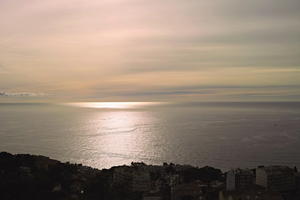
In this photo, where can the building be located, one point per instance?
(122, 175)
(134, 179)
(174, 180)
(141, 181)
(276, 178)
(153, 196)
(254, 193)
(191, 191)
(239, 179)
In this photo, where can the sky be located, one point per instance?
(149, 50)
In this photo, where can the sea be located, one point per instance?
(223, 135)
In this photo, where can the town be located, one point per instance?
(24, 176)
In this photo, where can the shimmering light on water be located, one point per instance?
(119, 136)
(224, 135)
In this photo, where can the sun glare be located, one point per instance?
(114, 105)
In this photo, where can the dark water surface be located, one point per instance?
(223, 135)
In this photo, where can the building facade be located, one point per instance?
(239, 179)
(276, 178)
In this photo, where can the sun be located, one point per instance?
(113, 105)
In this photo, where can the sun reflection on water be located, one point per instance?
(118, 133)
(118, 137)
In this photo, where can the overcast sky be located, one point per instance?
(149, 50)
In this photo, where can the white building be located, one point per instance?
(276, 178)
(239, 179)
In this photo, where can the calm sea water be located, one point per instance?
(223, 135)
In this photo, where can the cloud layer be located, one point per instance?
(140, 49)
(21, 94)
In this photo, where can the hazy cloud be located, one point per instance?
(21, 94)
(154, 49)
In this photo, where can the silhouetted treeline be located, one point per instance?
(25, 176)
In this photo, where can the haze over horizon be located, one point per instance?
(138, 50)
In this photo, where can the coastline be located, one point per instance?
(25, 176)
